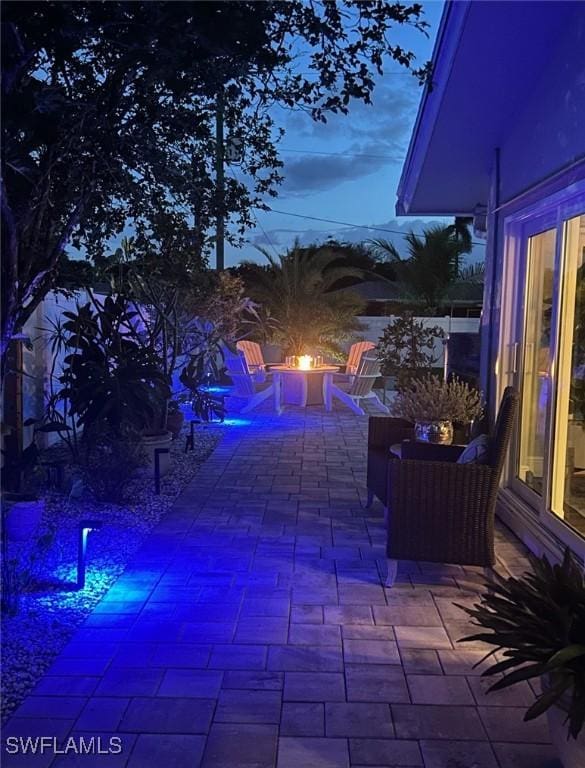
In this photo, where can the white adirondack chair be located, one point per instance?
(354, 358)
(254, 358)
(360, 388)
(247, 387)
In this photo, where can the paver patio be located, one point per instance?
(253, 630)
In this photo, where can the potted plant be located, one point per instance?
(433, 405)
(539, 621)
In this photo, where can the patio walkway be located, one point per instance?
(252, 630)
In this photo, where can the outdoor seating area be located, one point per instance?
(292, 371)
(253, 627)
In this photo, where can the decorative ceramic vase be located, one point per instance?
(149, 444)
(434, 431)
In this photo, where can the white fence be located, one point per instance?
(374, 328)
(38, 359)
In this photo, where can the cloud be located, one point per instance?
(313, 172)
(353, 146)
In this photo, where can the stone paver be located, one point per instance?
(253, 630)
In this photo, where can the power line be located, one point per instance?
(345, 223)
(257, 220)
(336, 154)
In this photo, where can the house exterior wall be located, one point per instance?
(547, 132)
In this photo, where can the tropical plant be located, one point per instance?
(109, 114)
(109, 377)
(222, 318)
(406, 348)
(295, 290)
(433, 262)
(537, 623)
(430, 399)
(109, 459)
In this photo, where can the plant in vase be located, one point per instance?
(537, 623)
(433, 406)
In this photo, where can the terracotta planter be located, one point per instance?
(175, 423)
(22, 518)
(149, 444)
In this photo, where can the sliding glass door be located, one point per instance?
(535, 372)
(548, 335)
(568, 480)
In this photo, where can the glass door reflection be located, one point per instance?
(535, 376)
(568, 481)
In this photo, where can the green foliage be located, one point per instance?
(295, 293)
(109, 113)
(406, 348)
(110, 377)
(539, 620)
(433, 263)
(22, 565)
(109, 459)
(221, 320)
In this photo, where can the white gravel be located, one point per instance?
(50, 609)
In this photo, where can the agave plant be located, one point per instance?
(538, 621)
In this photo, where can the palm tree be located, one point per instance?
(433, 262)
(459, 230)
(296, 301)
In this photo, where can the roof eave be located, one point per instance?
(448, 36)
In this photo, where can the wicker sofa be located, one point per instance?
(437, 509)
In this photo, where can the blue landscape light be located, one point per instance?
(85, 526)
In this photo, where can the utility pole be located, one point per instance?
(220, 183)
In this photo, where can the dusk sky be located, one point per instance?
(348, 169)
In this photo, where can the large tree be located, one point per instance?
(109, 114)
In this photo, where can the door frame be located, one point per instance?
(518, 226)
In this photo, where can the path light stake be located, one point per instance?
(85, 526)
(157, 453)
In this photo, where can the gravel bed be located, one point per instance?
(50, 607)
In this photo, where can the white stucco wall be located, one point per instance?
(38, 362)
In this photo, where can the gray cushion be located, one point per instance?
(477, 452)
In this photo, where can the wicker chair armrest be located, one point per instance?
(434, 484)
(384, 431)
(412, 449)
(441, 512)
